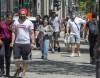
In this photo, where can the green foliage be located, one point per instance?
(83, 3)
(82, 6)
(27, 3)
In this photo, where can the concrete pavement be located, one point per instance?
(60, 65)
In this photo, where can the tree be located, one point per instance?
(85, 5)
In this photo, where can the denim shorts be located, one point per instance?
(23, 50)
(75, 38)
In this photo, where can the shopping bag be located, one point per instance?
(66, 39)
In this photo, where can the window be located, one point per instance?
(3, 7)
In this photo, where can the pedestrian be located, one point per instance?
(97, 50)
(37, 23)
(73, 25)
(56, 25)
(46, 17)
(5, 38)
(92, 26)
(23, 31)
(46, 31)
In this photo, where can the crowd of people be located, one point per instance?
(22, 35)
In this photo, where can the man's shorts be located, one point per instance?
(56, 35)
(75, 38)
(23, 50)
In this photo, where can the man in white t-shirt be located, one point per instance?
(22, 36)
(55, 23)
(74, 24)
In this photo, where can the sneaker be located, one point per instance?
(23, 75)
(72, 55)
(18, 71)
(59, 49)
(45, 58)
(79, 54)
(42, 57)
(52, 51)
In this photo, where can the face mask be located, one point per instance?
(73, 16)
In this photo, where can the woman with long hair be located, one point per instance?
(5, 38)
(46, 31)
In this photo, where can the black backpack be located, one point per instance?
(93, 29)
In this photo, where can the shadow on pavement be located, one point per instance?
(10, 77)
(82, 50)
(60, 67)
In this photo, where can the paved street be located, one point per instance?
(60, 65)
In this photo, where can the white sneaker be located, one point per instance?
(72, 55)
(79, 54)
(23, 75)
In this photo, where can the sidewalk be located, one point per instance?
(59, 65)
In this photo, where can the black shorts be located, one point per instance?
(56, 35)
(23, 50)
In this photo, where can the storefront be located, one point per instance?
(15, 5)
(28, 4)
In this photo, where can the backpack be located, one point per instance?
(93, 27)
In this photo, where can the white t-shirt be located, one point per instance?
(75, 29)
(55, 23)
(23, 31)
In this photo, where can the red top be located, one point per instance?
(5, 30)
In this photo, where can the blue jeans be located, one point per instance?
(45, 46)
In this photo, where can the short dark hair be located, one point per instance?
(8, 14)
(46, 16)
(39, 16)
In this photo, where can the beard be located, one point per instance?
(22, 17)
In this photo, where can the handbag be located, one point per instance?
(40, 36)
(66, 39)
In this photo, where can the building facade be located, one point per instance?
(34, 7)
